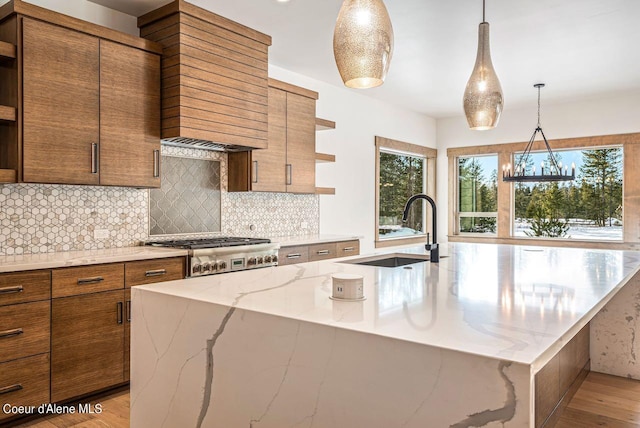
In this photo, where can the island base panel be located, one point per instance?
(195, 361)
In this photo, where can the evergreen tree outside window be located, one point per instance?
(402, 175)
(589, 208)
(478, 194)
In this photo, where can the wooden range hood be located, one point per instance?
(214, 78)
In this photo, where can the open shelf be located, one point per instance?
(325, 157)
(325, 191)
(323, 124)
(7, 114)
(7, 51)
(8, 176)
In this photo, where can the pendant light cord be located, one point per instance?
(483, 19)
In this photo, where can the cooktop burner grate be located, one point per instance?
(193, 244)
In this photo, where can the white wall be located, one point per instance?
(359, 119)
(612, 115)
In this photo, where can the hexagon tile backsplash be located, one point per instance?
(41, 218)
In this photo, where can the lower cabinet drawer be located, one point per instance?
(22, 287)
(322, 251)
(73, 281)
(24, 382)
(24, 330)
(293, 255)
(348, 248)
(151, 271)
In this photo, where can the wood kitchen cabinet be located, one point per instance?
(288, 164)
(90, 322)
(87, 343)
(315, 252)
(25, 313)
(129, 116)
(87, 330)
(87, 102)
(91, 109)
(61, 104)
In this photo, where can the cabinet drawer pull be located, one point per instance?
(255, 172)
(128, 310)
(11, 388)
(9, 290)
(120, 314)
(157, 272)
(156, 163)
(347, 249)
(323, 252)
(294, 256)
(11, 333)
(289, 173)
(86, 281)
(94, 158)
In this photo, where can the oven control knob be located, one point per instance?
(206, 267)
(252, 261)
(222, 265)
(260, 260)
(267, 259)
(274, 259)
(196, 268)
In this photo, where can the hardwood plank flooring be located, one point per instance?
(603, 401)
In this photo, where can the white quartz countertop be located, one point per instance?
(80, 258)
(312, 239)
(508, 302)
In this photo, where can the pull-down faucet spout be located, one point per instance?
(434, 251)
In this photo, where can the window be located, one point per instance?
(599, 209)
(402, 170)
(478, 194)
(590, 207)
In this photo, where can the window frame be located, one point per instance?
(400, 147)
(459, 214)
(630, 144)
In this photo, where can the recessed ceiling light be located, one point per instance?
(282, 1)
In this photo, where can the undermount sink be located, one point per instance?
(391, 260)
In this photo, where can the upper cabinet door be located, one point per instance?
(129, 116)
(60, 105)
(301, 144)
(268, 165)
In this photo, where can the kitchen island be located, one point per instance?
(459, 343)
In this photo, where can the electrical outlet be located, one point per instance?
(101, 234)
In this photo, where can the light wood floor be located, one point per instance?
(602, 401)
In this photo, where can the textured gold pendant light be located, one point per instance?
(363, 43)
(483, 100)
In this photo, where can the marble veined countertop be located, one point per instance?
(513, 303)
(291, 241)
(88, 257)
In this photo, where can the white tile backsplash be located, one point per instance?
(41, 218)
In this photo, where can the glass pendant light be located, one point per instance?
(483, 99)
(363, 43)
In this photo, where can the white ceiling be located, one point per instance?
(582, 49)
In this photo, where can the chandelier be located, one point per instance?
(522, 173)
